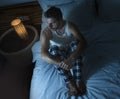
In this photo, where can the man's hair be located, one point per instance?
(53, 12)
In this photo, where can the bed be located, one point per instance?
(99, 21)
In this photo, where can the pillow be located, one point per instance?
(46, 3)
(81, 12)
(109, 10)
(57, 2)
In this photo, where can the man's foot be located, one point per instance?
(81, 88)
(72, 89)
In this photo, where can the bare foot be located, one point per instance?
(72, 89)
(81, 88)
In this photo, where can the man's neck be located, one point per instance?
(62, 24)
(61, 28)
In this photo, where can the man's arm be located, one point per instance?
(78, 36)
(45, 44)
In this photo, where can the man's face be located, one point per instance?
(52, 23)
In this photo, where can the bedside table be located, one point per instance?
(17, 51)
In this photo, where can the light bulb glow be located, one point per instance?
(19, 28)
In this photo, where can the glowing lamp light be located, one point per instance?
(20, 28)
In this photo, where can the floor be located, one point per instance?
(14, 80)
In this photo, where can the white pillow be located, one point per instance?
(46, 3)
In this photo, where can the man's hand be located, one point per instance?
(66, 64)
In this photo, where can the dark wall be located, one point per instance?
(12, 2)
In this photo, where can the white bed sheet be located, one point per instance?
(101, 67)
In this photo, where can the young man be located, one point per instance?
(62, 45)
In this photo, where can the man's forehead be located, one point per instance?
(51, 20)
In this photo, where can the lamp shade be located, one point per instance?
(19, 28)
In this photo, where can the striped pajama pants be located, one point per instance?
(74, 74)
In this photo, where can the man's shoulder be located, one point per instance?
(71, 25)
(46, 33)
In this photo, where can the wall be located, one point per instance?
(12, 2)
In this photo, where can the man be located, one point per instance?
(61, 45)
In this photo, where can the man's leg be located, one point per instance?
(70, 82)
(78, 76)
(77, 69)
(54, 50)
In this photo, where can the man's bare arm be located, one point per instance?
(82, 42)
(45, 44)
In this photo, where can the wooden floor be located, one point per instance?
(15, 81)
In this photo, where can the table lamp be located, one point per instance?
(20, 28)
